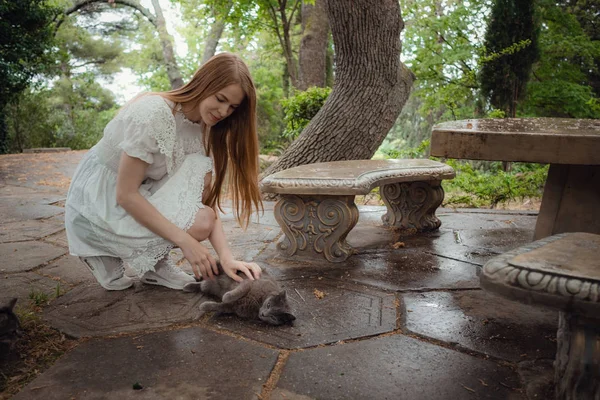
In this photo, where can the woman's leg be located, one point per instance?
(205, 219)
(166, 272)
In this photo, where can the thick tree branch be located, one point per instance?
(81, 4)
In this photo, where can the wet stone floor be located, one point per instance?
(409, 322)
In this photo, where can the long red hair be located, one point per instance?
(233, 141)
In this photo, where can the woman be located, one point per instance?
(147, 185)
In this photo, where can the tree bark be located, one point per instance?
(210, 48)
(313, 46)
(371, 86)
(166, 42)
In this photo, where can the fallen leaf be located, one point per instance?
(397, 245)
(318, 294)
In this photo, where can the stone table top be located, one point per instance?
(541, 140)
(353, 177)
(561, 271)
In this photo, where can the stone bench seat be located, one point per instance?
(316, 210)
(561, 272)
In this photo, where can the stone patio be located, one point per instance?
(407, 321)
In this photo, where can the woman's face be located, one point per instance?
(218, 106)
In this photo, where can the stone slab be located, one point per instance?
(392, 367)
(352, 177)
(23, 285)
(392, 270)
(25, 256)
(28, 230)
(189, 363)
(481, 322)
(46, 150)
(345, 312)
(68, 269)
(13, 210)
(90, 310)
(485, 219)
(472, 246)
(575, 255)
(58, 239)
(42, 171)
(565, 140)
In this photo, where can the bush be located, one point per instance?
(300, 108)
(482, 184)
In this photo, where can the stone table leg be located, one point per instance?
(316, 225)
(571, 201)
(412, 205)
(577, 358)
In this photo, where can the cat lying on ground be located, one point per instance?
(10, 329)
(261, 299)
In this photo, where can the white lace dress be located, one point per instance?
(149, 130)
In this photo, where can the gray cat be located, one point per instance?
(10, 329)
(261, 299)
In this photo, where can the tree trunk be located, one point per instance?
(166, 42)
(210, 48)
(282, 24)
(371, 86)
(313, 46)
(216, 31)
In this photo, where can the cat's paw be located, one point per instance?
(192, 287)
(210, 306)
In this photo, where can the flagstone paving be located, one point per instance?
(404, 317)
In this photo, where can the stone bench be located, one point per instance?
(560, 272)
(316, 210)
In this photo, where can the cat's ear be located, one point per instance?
(282, 294)
(11, 303)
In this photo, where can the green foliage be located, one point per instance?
(300, 108)
(441, 43)
(563, 79)
(25, 43)
(477, 187)
(485, 186)
(38, 298)
(74, 119)
(421, 151)
(25, 39)
(511, 45)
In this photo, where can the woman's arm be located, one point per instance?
(129, 178)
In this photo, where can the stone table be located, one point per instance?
(571, 147)
(561, 272)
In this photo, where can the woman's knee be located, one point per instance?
(204, 224)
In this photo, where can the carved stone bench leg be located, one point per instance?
(316, 225)
(577, 364)
(412, 205)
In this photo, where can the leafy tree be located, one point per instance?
(371, 86)
(156, 19)
(511, 49)
(25, 40)
(441, 45)
(562, 83)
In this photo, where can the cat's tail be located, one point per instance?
(192, 287)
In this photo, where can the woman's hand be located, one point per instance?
(252, 270)
(202, 262)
